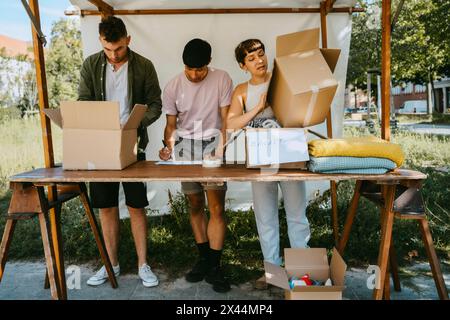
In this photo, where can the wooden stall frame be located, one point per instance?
(105, 9)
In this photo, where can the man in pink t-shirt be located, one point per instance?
(196, 104)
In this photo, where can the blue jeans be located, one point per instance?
(265, 201)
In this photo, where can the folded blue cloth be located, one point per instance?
(350, 165)
(358, 171)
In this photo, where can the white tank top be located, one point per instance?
(254, 93)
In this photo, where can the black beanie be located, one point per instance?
(197, 53)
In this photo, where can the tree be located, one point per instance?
(420, 42)
(17, 82)
(63, 61)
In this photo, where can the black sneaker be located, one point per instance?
(216, 277)
(198, 271)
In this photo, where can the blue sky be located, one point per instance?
(14, 21)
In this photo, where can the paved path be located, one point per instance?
(25, 280)
(423, 128)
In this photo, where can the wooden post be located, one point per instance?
(325, 7)
(41, 81)
(105, 9)
(386, 70)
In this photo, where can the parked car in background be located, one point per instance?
(413, 106)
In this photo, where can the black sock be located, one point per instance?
(203, 250)
(214, 257)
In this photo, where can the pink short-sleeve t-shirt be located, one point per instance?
(197, 105)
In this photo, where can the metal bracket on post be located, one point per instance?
(34, 22)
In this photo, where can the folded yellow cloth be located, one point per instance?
(368, 146)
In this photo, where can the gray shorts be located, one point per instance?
(192, 150)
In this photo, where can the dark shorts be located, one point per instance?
(106, 194)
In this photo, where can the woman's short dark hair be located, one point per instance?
(246, 47)
(197, 53)
(112, 29)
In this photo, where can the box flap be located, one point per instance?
(136, 115)
(55, 116)
(297, 41)
(305, 258)
(311, 74)
(338, 268)
(100, 115)
(276, 275)
(331, 56)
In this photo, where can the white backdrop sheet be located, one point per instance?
(161, 38)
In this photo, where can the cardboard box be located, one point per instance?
(285, 148)
(303, 86)
(314, 262)
(93, 138)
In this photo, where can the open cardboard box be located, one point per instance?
(93, 138)
(314, 262)
(284, 148)
(302, 86)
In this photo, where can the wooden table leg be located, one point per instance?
(387, 218)
(55, 225)
(434, 261)
(394, 268)
(334, 212)
(49, 256)
(387, 285)
(350, 217)
(97, 235)
(6, 241)
(53, 218)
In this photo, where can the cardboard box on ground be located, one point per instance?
(300, 93)
(314, 262)
(93, 138)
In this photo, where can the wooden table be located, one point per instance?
(29, 196)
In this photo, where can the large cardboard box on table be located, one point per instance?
(93, 138)
(284, 148)
(314, 262)
(302, 86)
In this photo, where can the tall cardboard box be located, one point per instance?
(285, 148)
(93, 138)
(314, 262)
(303, 86)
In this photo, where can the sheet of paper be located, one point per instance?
(179, 162)
(271, 146)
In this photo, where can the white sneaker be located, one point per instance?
(102, 276)
(148, 277)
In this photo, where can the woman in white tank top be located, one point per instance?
(249, 108)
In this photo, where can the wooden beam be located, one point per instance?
(329, 5)
(324, 5)
(221, 11)
(386, 70)
(41, 82)
(104, 9)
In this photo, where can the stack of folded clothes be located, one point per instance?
(359, 155)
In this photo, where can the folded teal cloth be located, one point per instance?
(357, 171)
(350, 165)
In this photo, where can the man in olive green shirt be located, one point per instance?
(118, 74)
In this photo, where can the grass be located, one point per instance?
(171, 243)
